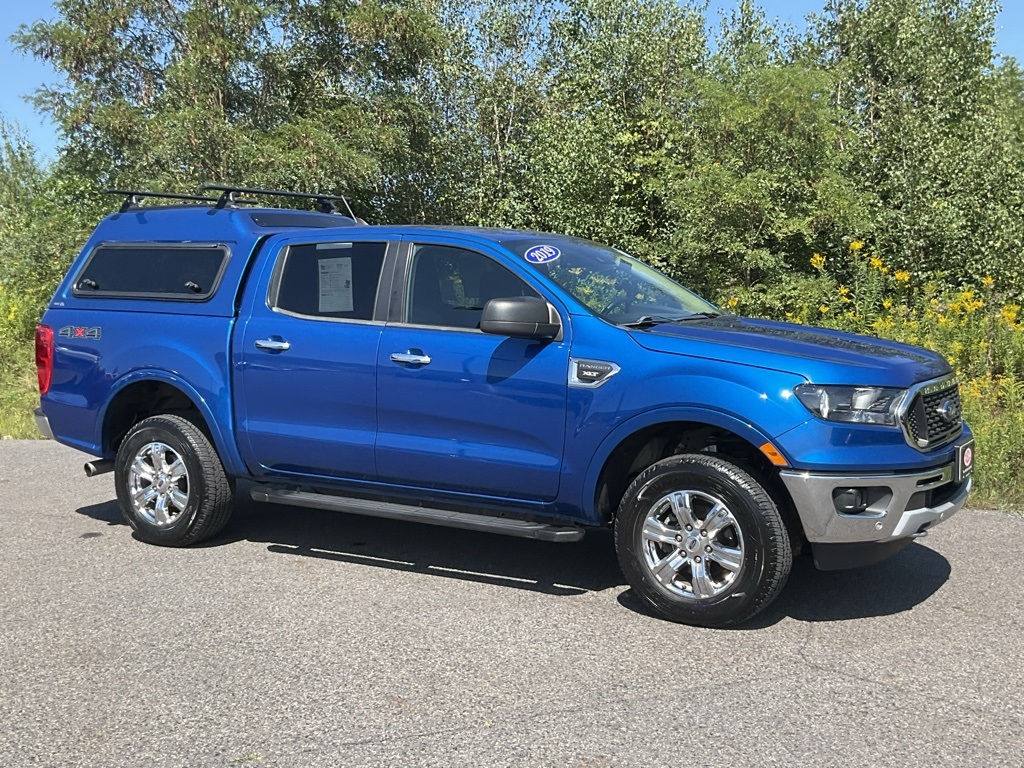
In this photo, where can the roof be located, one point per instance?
(175, 223)
(199, 222)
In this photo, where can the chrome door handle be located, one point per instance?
(274, 345)
(410, 358)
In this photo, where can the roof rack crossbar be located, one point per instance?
(327, 203)
(133, 197)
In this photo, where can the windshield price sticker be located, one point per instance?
(542, 254)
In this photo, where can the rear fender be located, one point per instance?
(215, 420)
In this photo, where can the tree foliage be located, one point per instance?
(729, 157)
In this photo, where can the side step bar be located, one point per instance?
(444, 517)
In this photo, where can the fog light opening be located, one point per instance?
(850, 501)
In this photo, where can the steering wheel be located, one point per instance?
(621, 301)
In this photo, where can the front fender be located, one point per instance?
(709, 416)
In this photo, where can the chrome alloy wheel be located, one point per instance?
(692, 544)
(158, 484)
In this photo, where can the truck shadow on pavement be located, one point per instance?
(890, 587)
(895, 585)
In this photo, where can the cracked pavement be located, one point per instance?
(308, 638)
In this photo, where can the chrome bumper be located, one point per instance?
(43, 423)
(905, 504)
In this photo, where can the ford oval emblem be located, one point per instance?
(947, 411)
(542, 254)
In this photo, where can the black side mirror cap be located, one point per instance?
(524, 317)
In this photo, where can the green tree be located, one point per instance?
(938, 127)
(287, 93)
(37, 238)
(619, 75)
(758, 183)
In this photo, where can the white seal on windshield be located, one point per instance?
(542, 254)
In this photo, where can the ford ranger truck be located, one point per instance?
(514, 382)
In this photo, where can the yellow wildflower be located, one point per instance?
(876, 263)
(823, 308)
(987, 281)
(732, 303)
(966, 302)
(843, 290)
(818, 261)
(902, 276)
(856, 245)
(13, 313)
(1009, 315)
(887, 303)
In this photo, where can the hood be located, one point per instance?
(822, 356)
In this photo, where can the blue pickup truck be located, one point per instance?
(514, 382)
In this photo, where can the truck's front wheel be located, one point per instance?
(701, 541)
(171, 485)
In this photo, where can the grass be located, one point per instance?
(994, 407)
(19, 394)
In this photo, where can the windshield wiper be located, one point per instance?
(647, 321)
(700, 316)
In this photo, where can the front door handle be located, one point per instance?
(274, 345)
(410, 358)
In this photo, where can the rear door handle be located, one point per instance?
(410, 358)
(274, 345)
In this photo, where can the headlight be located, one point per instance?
(854, 405)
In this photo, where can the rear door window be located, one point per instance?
(330, 280)
(170, 272)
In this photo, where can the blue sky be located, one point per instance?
(20, 75)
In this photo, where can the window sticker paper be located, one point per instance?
(336, 284)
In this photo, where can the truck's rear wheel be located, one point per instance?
(701, 541)
(171, 485)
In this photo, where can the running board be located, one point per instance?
(447, 518)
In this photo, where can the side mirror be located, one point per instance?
(524, 317)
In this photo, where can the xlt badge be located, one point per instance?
(590, 373)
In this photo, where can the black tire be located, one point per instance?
(201, 488)
(734, 571)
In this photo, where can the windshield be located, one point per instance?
(611, 284)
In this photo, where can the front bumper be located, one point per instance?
(901, 505)
(43, 423)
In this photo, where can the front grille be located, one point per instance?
(934, 416)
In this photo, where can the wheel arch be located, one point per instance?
(141, 394)
(640, 442)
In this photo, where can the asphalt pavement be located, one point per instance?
(308, 638)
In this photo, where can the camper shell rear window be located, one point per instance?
(152, 271)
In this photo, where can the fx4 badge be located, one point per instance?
(76, 332)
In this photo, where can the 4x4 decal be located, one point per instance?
(78, 332)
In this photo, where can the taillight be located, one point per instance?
(44, 357)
